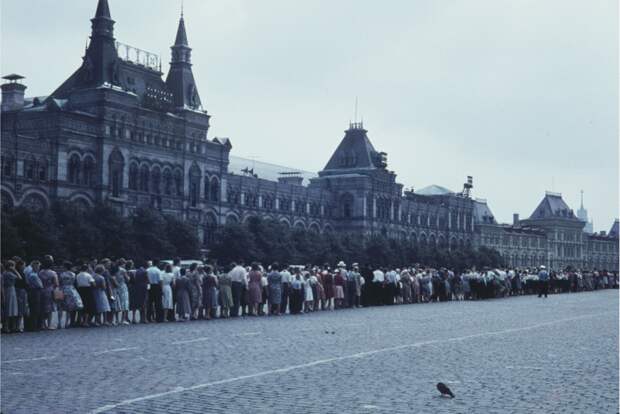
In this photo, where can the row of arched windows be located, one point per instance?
(81, 170)
(251, 200)
(34, 169)
(154, 180)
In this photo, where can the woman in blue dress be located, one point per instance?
(101, 299)
(49, 278)
(122, 291)
(72, 301)
(274, 279)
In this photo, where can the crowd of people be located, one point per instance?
(42, 296)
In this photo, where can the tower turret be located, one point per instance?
(180, 80)
(101, 58)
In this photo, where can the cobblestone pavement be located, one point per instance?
(516, 355)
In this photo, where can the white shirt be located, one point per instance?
(238, 274)
(378, 276)
(154, 275)
(84, 279)
(176, 272)
(286, 276)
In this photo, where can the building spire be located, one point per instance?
(582, 199)
(103, 10)
(100, 60)
(180, 80)
(181, 39)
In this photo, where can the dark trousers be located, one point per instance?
(154, 311)
(237, 289)
(35, 319)
(286, 289)
(350, 293)
(543, 287)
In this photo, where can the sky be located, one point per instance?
(520, 94)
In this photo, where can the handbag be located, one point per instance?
(59, 295)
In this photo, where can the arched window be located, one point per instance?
(215, 189)
(300, 206)
(116, 167)
(156, 180)
(233, 196)
(88, 172)
(206, 191)
(29, 168)
(347, 205)
(251, 200)
(74, 169)
(144, 178)
(8, 166)
(284, 204)
(178, 182)
(314, 209)
(42, 170)
(167, 181)
(268, 202)
(194, 185)
(210, 228)
(133, 176)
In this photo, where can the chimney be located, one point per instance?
(12, 93)
(515, 219)
(291, 180)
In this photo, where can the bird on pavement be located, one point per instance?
(444, 390)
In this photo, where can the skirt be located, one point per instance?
(47, 300)
(101, 301)
(226, 300)
(338, 292)
(209, 297)
(183, 303)
(122, 298)
(10, 307)
(22, 302)
(137, 296)
(86, 293)
(72, 301)
(166, 297)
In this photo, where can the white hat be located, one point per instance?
(542, 267)
(341, 264)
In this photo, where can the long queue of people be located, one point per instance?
(107, 293)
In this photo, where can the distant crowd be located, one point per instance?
(42, 296)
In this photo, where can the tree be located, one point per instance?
(183, 237)
(149, 235)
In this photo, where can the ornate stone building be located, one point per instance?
(117, 132)
(552, 236)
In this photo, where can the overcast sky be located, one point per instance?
(523, 95)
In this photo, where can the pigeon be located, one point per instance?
(444, 390)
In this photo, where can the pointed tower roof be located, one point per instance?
(180, 80)
(100, 62)
(103, 10)
(553, 206)
(181, 39)
(355, 151)
(614, 231)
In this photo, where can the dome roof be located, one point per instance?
(434, 190)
